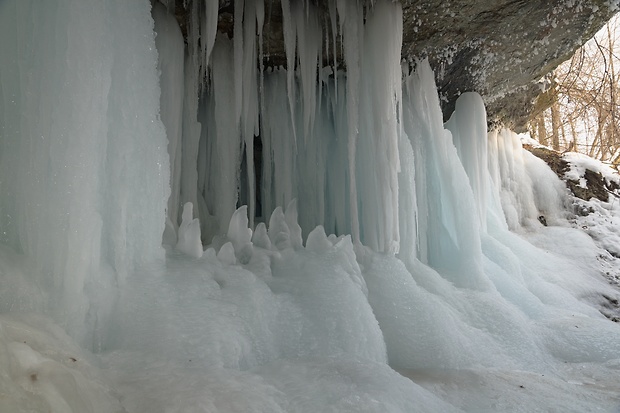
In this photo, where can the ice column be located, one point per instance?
(448, 237)
(468, 126)
(170, 48)
(83, 160)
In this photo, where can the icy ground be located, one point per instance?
(260, 328)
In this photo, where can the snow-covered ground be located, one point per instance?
(333, 327)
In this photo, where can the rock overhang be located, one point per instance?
(501, 49)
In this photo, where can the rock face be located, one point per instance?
(498, 48)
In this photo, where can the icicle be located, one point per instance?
(260, 22)
(290, 36)
(225, 168)
(191, 138)
(352, 33)
(377, 149)
(238, 57)
(333, 17)
(249, 119)
(279, 155)
(193, 36)
(468, 125)
(308, 47)
(208, 32)
(170, 5)
(171, 61)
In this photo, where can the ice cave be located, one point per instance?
(186, 229)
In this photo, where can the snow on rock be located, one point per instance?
(579, 163)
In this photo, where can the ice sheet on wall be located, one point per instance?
(84, 163)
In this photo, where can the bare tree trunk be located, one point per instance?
(542, 131)
(555, 124)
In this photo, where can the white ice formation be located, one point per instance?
(107, 128)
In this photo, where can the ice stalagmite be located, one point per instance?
(189, 233)
(448, 236)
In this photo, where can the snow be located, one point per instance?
(426, 281)
(579, 163)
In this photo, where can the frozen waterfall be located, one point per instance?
(218, 236)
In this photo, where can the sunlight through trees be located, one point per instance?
(579, 109)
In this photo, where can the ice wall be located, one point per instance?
(302, 123)
(83, 156)
(363, 153)
(85, 161)
(84, 182)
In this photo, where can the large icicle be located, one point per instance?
(377, 148)
(450, 238)
(249, 119)
(468, 125)
(290, 36)
(169, 41)
(308, 51)
(225, 172)
(351, 21)
(191, 137)
(208, 30)
(238, 58)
